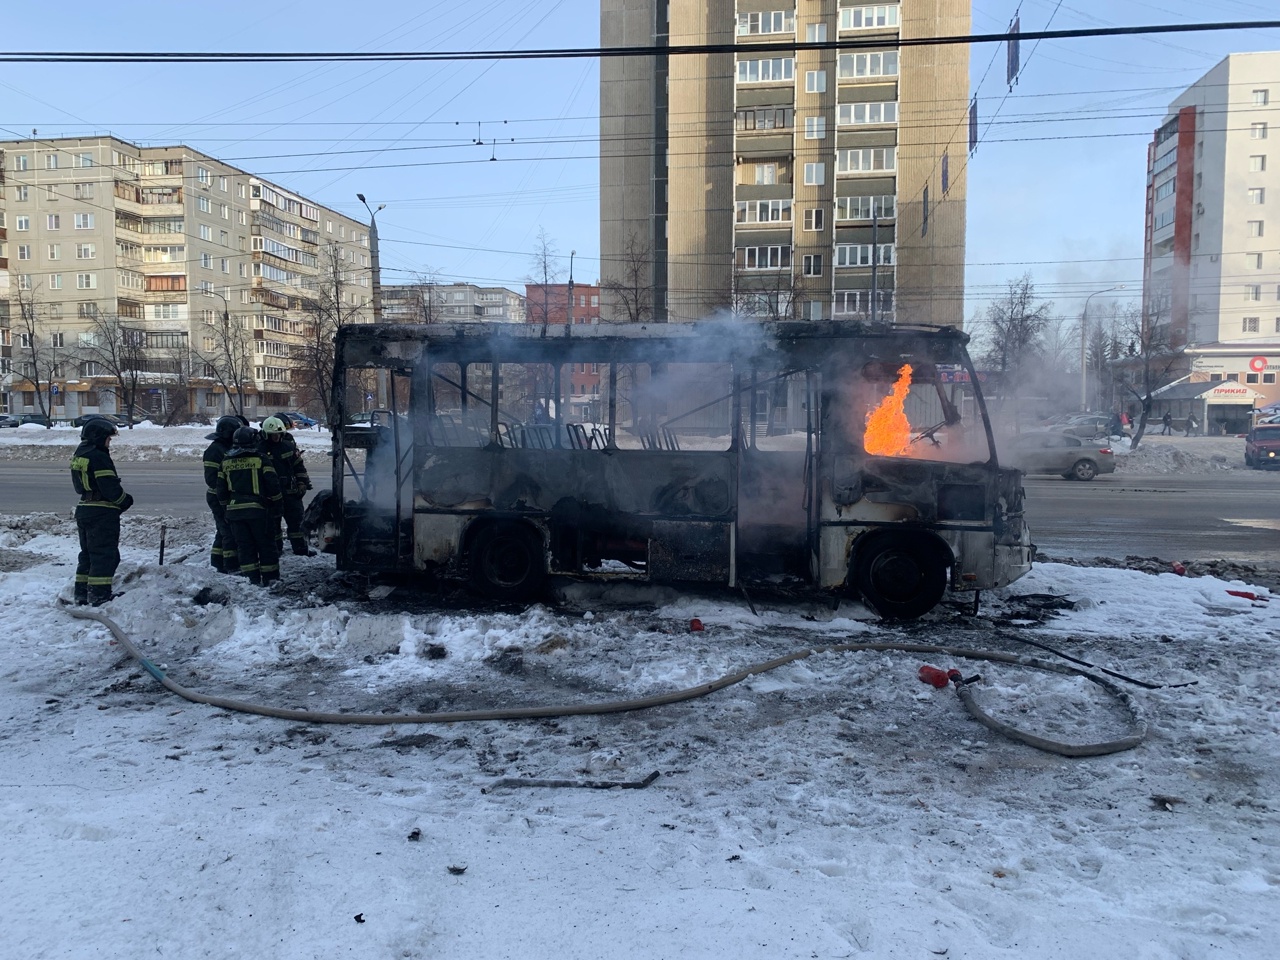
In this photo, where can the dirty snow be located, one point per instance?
(836, 807)
(145, 441)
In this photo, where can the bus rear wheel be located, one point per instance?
(900, 580)
(507, 562)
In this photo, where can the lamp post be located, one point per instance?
(376, 270)
(233, 363)
(1084, 336)
(569, 317)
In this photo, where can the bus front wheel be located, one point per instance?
(507, 562)
(900, 580)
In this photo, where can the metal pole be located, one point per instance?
(875, 247)
(1084, 333)
(376, 269)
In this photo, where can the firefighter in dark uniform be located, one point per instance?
(294, 482)
(102, 500)
(250, 492)
(223, 556)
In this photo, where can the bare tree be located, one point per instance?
(118, 350)
(544, 270)
(765, 294)
(230, 361)
(328, 310)
(42, 351)
(1015, 334)
(428, 298)
(630, 289)
(1150, 359)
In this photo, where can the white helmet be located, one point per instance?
(272, 425)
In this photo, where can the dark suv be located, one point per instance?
(1262, 446)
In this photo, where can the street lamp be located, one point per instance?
(233, 365)
(373, 256)
(1084, 335)
(569, 319)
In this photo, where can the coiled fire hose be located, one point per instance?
(1139, 725)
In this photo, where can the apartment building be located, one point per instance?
(450, 302)
(782, 183)
(1211, 271)
(6, 330)
(209, 274)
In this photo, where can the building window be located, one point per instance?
(774, 70)
(812, 265)
(814, 219)
(815, 33)
(762, 211)
(55, 281)
(83, 160)
(203, 176)
(83, 191)
(1166, 189)
(1261, 98)
(224, 238)
(869, 18)
(21, 162)
(771, 21)
(850, 114)
(55, 251)
(51, 161)
(225, 265)
(815, 81)
(206, 261)
(86, 251)
(815, 174)
(1253, 292)
(51, 192)
(165, 311)
(1250, 324)
(203, 205)
(83, 221)
(1258, 163)
(761, 118)
(86, 281)
(815, 128)
(206, 232)
(762, 258)
(1255, 260)
(766, 173)
(222, 184)
(854, 66)
(22, 223)
(866, 159)
(53, 221)
(1255, 228)
(1250, 378)
(860, 254)
(1257, 195)
(1257, 131)
(21, 194)
(24, 251)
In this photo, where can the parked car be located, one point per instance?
(8, 421)
(35, 418)
(1087, 425)
(302, 420)
(1052, 451)
(119, 421)
(1262, 446)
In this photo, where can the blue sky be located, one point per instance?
(1056, 186)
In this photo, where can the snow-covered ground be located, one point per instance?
(836, 807)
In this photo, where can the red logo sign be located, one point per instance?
(1258, 364)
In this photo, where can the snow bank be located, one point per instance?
(145, 441)
(836, 807)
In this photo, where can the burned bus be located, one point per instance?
(854, 460)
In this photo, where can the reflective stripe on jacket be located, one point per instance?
(93, 474)
(247, 483)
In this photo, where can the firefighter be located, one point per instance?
(223, 556)
(102, 500)
(294, 482)
(249, 491)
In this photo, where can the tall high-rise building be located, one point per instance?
(779, 182)
(1211, 272)
(203, 272)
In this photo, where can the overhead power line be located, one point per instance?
(574, 53)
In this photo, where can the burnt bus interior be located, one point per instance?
(711, 453)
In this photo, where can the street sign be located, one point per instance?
(53, 388)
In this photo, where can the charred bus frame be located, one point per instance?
(727, 453)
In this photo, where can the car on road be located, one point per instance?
(1055, 452)
(1262, 446)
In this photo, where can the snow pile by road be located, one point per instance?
(835, 807)
(1169, 455)
(144, 442)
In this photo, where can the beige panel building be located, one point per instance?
(174, 248)
(812, 183)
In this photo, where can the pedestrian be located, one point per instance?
(1115, 426)
(249, 491)
(102, 500)
(1192, 423)
(223, 555)
(294, 482)
(1166, 422)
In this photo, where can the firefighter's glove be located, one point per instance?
(126, 503)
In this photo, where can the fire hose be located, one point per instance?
(1139, 726)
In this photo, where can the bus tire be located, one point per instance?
(899, 578)
(507, 562)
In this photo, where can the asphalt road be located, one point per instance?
(1231, 515)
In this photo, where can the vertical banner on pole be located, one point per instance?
(946, 172)
(924, 215)
(1011, 72)
(973, 125)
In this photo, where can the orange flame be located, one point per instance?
(888, 432)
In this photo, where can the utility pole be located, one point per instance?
(569, 315)
(1084, 336)
(376, 269)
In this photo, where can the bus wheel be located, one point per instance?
(507, 562)
(900, 580)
